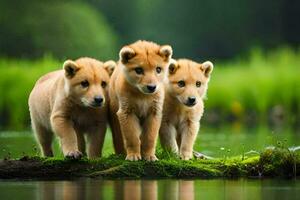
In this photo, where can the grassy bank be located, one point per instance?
(256, 87)
(277, 162)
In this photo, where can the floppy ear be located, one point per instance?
(70, 68)
(109, 66)
(173, 66)
(126, 53)
(166, 52)
(207, 68)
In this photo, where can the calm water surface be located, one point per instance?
(151, 189)
(215, 142)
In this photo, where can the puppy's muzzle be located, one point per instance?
(151, 88)
(98, 101)
(191, 101)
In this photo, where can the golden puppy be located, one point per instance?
(72, 103)
(183, 106)
(136, 98)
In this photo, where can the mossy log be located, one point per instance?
(270, 163)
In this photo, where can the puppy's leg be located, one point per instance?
(188, 136)
(167, 135)
(149, 136)
(95, 139)
(64, 129)
(80, 140)
(44, 137)
(131, 130)
(116, 133)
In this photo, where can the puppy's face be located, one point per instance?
(145, 65)
(188, 80)
(87, 81)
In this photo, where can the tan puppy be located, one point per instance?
(183, 106)
(136, 98)
(72, 102)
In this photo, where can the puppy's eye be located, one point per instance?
(158, 70)
(103, 84)
(139, 70)
(181, 83)
(85, 84)
(198, 84)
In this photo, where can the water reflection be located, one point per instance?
(136, 189)
(181, 189)
(118, 190)
(151, 189)
(70, 190)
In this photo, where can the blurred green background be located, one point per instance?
(253, 44)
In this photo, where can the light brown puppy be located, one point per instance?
(72, 103)
(183, 106)
(136, 98)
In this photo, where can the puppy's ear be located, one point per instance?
(110, 66)
(126, 53)
(173, 66)
(70, 68)
(207, 68)
(166, 52)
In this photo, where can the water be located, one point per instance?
(215, 142)
(151, 189)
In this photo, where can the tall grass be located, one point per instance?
(250, 85)
(17, 78)
(257, 84)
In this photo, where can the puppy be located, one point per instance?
(72, 103)
(136, 98)
(183, 105)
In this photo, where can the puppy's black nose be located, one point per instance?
(98, 100)
(191, 100)
(151, 88)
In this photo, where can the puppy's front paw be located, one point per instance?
(186, 156)
(150, 158)
(133, 157)
(74, 155)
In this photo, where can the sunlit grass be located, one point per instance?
(17, 78)
(257, 84)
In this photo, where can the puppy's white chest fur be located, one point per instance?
(143, 108)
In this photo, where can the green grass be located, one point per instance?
(257, 84)
(254, 85)
(17, 79)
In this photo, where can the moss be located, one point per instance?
(276, 162)
(251, 166)
(232, 170)
(279, 162)
(32, 158)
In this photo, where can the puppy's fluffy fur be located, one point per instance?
(183, 105)
(136, 98)
(72, 102)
